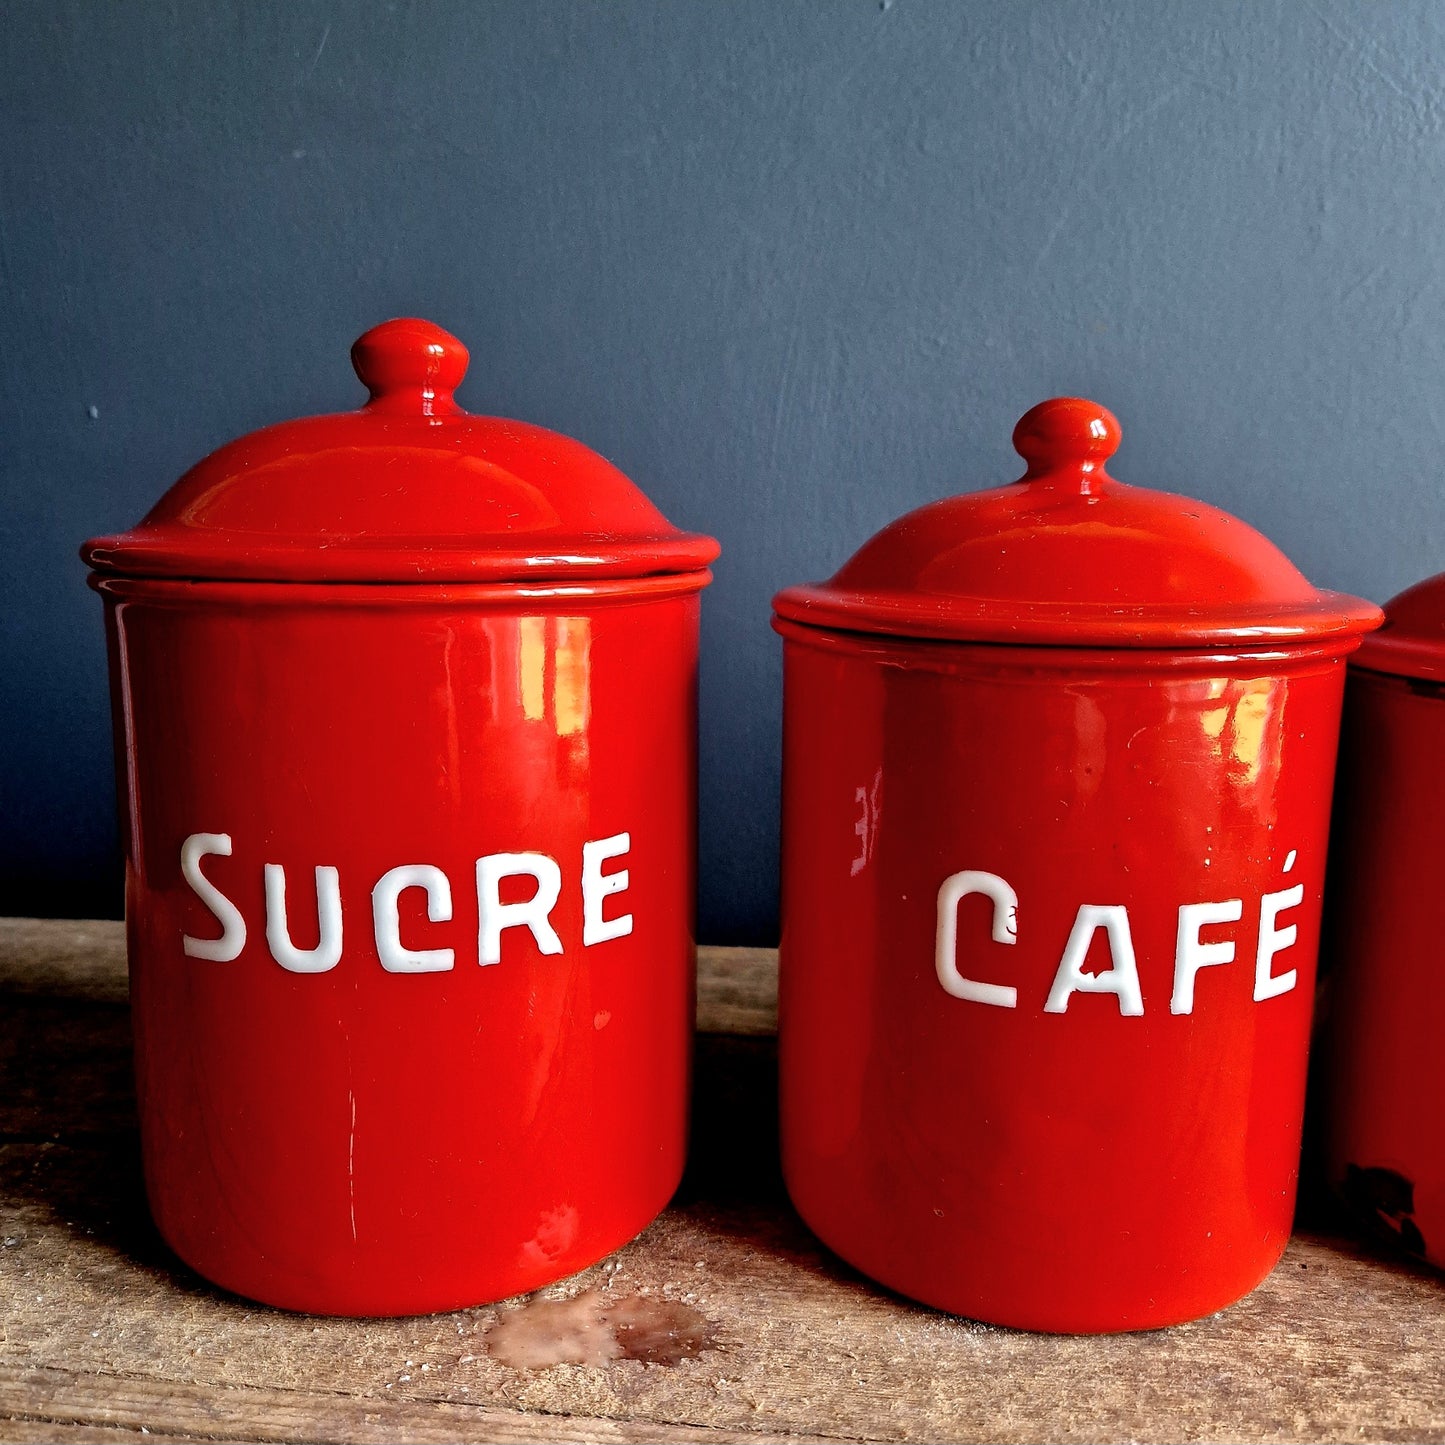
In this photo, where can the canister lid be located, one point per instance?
(408, 488)
(1069, 556)
(1412, 641)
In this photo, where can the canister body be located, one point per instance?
(1383, 996)
(431, 1046)
(1050, 922)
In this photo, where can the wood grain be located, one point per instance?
(103, 1333)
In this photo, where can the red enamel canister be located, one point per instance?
(1383, 990)
(1057, 767)
(405, 723)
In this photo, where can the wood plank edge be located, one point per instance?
(16, 1430)
(70, 1401)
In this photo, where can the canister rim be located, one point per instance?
(1070, 624)
(533, 594)
(1411, 643)
(913, 651)
(236, 559)
(1409, 657)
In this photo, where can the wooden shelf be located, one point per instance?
(103, 1334)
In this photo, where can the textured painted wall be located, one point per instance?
(795, 267)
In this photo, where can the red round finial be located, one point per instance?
(410, 363)
(1066, 434)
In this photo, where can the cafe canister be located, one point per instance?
(405, 721)
(1057, 768)
(1382, 994)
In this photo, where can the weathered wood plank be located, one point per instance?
(62, 1401)
(737, 991)
(64, 959)
(102, 1331)
(15, 1430)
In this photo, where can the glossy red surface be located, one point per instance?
(372, 1079)
(1383, 998)
(1069, 555)
(1051, 914)
(1082, 1171)
(1412, 641)
(408, 488)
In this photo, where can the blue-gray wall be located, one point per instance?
(794, 266)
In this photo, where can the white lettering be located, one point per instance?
(386, 919)
(597, 885)
(495, 916)
(1005, 930)
(233, 926)
(327, 953)
(1190, 954)
(1122, 980)
(1273, 940)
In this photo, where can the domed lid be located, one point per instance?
(1069, 556)
(1412, 641)
(408, 488)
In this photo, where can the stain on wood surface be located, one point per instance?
(588, 1329)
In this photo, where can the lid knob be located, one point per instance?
(1067, 434)
(410, 365)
